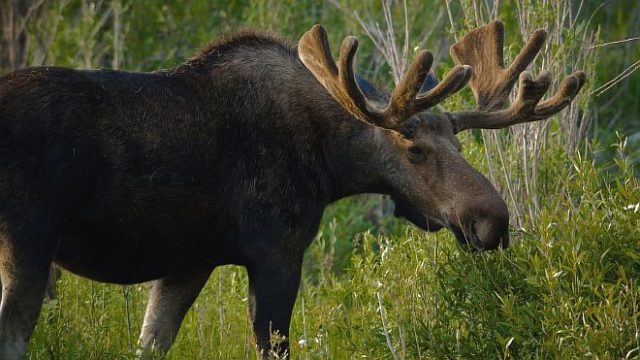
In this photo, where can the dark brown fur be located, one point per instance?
(229, 158)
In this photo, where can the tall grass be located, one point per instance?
(567, 288)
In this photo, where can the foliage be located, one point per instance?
(566, 288)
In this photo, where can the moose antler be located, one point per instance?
(491, 83)
(340, 81)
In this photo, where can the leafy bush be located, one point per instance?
(566, 288)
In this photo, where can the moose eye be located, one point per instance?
(415, 150)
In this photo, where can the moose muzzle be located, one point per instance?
(484, 225)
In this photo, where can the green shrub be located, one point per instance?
(566, 288)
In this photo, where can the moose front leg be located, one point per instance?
(273, 288)
(26, 251)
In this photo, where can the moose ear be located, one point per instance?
(430, 81)
(371, 91)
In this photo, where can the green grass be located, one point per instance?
(567, 288)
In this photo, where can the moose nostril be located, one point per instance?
(492, 233)
(475, 238)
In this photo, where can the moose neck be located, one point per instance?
(351, 152)
(355, 154)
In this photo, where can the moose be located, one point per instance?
(231, 158)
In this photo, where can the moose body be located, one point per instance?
(229, 158)
(154, 173)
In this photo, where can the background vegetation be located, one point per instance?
(379, 288)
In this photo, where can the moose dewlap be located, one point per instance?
(231, 158)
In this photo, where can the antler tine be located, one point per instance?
(340, 81)
(482, 49)
(527, 106)
(527, 54)
(452, 83)
(568, 90)
(491, 82)
(347, 78)
(402, 104)
(407, 100)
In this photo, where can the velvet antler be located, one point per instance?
(491, 82)
(340, 81)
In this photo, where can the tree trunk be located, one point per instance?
(14, 15)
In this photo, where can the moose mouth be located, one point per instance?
(467, 237)
(420, 220)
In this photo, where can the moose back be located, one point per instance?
(231, 158)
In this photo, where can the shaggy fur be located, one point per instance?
(229, 158)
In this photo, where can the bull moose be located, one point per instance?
(231, 158)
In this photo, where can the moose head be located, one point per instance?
(433, 186)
